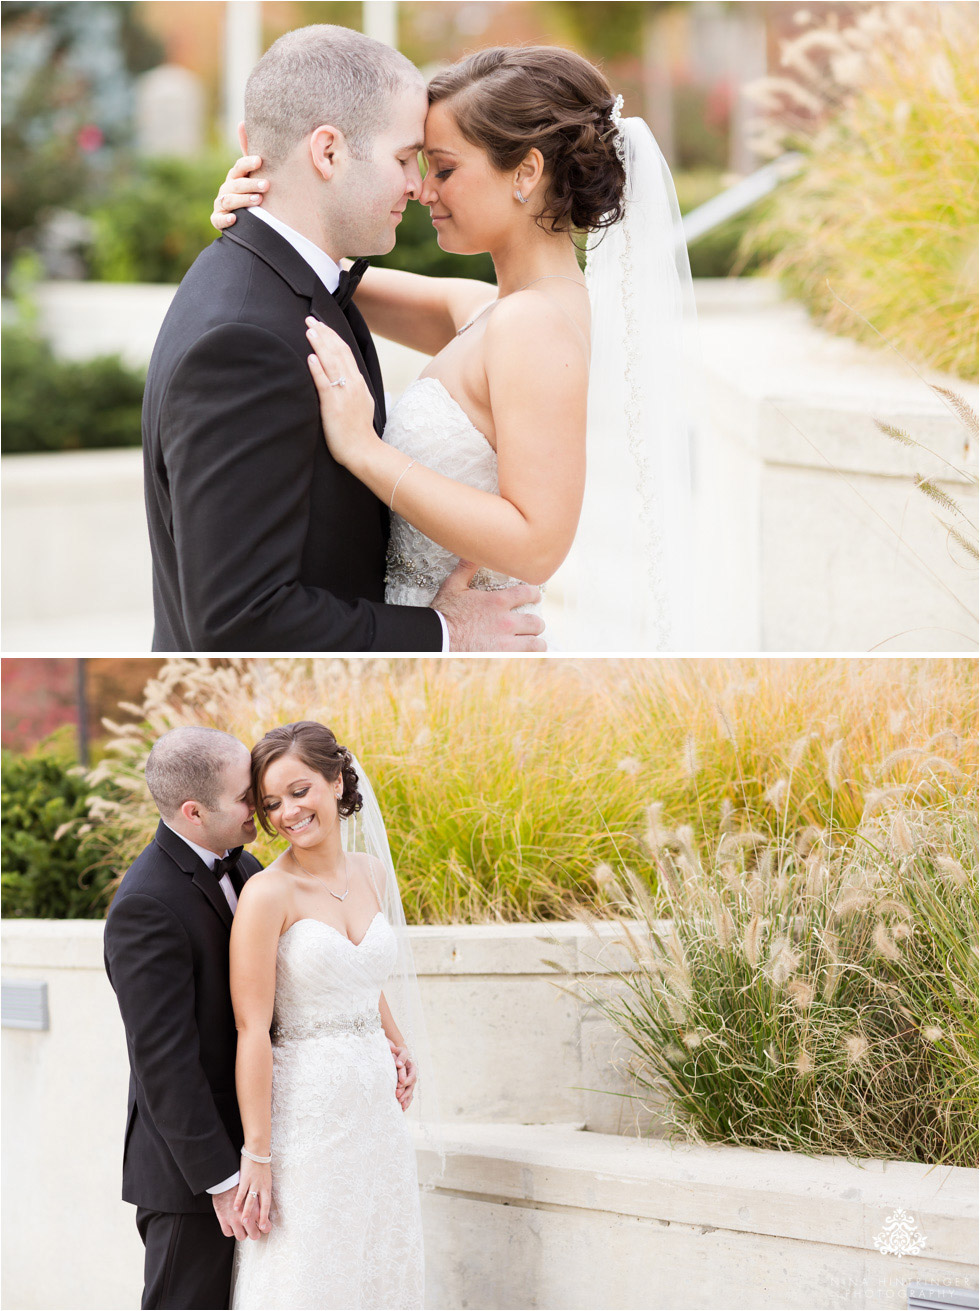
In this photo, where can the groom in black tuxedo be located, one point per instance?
(166, 954)
(260, 540)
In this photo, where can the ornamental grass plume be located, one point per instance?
(879, 228)
(840, 1018)
(501, 781)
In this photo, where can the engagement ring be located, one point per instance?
(341, 382)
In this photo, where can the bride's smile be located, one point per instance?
(300, 805)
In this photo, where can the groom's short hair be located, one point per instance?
(322, 74)
(188, 764)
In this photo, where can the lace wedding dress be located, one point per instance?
(346, 1220)
(430, 426)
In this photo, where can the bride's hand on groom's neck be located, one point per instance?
(238, 191)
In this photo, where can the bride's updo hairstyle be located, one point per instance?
(318, 749)
(510, 99)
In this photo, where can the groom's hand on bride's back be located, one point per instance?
(488, 621)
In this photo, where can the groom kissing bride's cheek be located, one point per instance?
(286, 510)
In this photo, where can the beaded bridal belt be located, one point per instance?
(366, 1022)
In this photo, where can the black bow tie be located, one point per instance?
(349, 278)
(229, 865)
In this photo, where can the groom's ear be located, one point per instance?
(327, 147)
(243, 139)
(191, 811)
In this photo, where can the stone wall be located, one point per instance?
(534, 1210)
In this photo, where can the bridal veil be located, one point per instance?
(365, 831)
(627, 584)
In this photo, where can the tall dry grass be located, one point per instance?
(505, 785)
(879, 230)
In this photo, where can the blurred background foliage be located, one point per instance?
(877, 235)
(76, 190)
(52, 865)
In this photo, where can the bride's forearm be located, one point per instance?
(253, 1083)
(485, 528)
(392, 1031)
(417, 310)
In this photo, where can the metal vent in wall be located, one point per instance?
(23, 1005)
(940, 1297)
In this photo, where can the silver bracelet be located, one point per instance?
(391, 499)
(259, 1160)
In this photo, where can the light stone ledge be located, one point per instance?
(439, 949)
(562, 1218)
(821, 1199)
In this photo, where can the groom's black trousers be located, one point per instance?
(188, 1260)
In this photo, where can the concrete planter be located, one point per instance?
(551, 1217)
(534, 1210)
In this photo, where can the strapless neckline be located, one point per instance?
(311, 919)
(448, 396)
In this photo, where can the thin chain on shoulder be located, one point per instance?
(494, 303)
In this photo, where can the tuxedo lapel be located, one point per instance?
(273, 248)
(203, 879)
(188, 861)
(354, 330)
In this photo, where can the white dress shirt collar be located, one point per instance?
(207, 856)
(319, 261)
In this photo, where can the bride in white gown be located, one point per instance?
(328, 1166)
(484, 458)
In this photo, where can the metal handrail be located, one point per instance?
(744, 193)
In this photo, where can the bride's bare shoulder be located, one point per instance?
(268, 888)
(533, 332)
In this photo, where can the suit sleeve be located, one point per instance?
(150, 967)
(243, 420)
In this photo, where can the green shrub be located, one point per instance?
(65, 405)
(51, 867)
(155, 219)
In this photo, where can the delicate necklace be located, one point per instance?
(544, 278)
(341, 896)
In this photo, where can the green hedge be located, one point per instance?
(155, 219)
(65, 405)
(48, 869)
